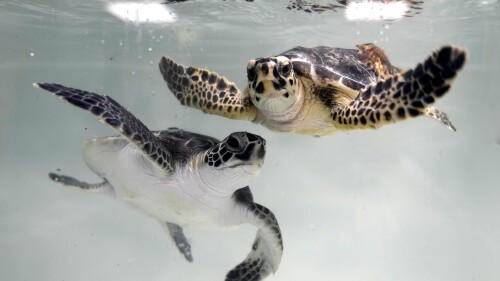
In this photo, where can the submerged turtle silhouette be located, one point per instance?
(321, 90)
(180, 178)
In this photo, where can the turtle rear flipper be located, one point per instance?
(404, 95)
(177, 234)
(206, 90)
(267, 248)
(70, 181)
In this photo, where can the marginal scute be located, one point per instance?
(429, 100)
(418, 71)
(204, 75)
(401, 112)
(458, 62)
(190, 71)
(180, 69)
(97, 110)
(442, 91)
(233, 90)
(413, 112)
(362, 119)
(387, 116)
(443, 55)
(221, 85)
(212, 78)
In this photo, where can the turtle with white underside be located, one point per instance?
(180, 178)
(321, 90)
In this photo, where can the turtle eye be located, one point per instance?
(251, 70)
(251, 74)
(285, 69)
(233, 143)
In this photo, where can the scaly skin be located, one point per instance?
(299, 96)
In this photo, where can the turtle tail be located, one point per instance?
(405, 95)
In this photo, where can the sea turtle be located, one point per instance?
(321, 90)
(180, 178)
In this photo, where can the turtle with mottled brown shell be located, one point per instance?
(321, 90)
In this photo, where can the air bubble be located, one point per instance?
(150, 49)
(32, 54)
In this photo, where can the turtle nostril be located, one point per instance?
(252, 137)
(265, 68)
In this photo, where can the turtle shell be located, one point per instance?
(326, 65)
(184, 144)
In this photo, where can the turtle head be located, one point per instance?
(272, 84)
(235, 161)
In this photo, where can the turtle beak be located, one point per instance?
(253, 148)
(252, 169)
(265, 73)
(269, 83)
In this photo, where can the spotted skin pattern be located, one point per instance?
(403, 95)
(258, 264)
(327, 90)
(236, 149)
(206, 90)
(112, 113)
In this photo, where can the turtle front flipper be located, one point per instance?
(404, 95)
(112, 113)
(177, 233)
(267, 247)
(206, 90)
